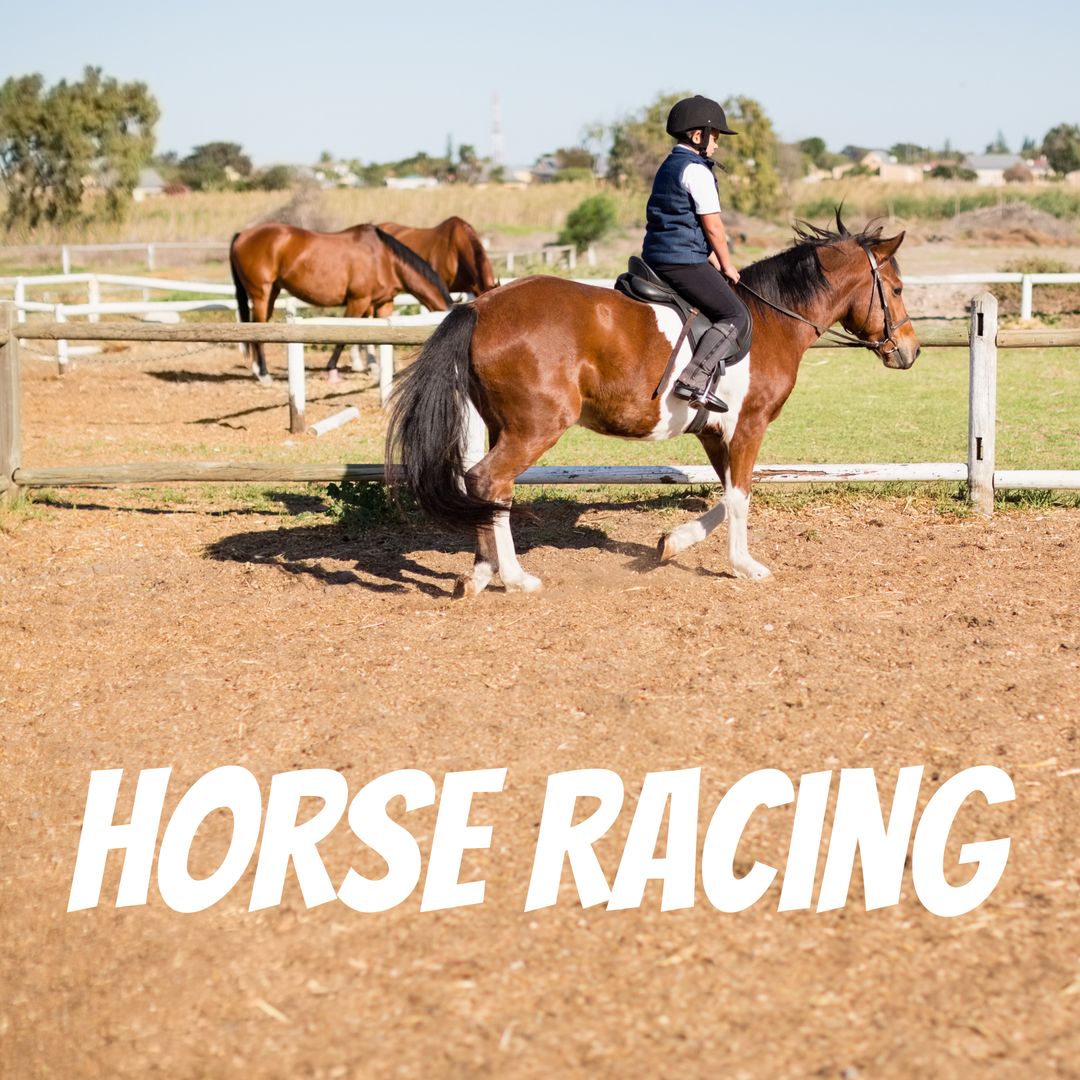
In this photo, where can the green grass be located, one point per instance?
(848, 408)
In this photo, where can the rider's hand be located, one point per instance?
(732, 275)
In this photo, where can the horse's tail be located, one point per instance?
(417, 275)
(241, 293)
(429, 425)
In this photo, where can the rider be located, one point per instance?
(685, 243)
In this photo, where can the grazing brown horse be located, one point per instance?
(453, 250)
(363, 268)
(541, 354)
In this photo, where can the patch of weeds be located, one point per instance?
(1036, 499)
(363, 505)
(15, 508)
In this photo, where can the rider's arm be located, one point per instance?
(717, 237)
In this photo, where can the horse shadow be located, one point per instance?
(390, 557)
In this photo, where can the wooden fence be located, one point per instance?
(983, 340)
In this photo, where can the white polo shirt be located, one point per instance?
(697, 178)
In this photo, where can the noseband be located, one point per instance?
(842, 337)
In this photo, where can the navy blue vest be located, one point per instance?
(673, 232)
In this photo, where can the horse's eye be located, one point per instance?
(898, 290)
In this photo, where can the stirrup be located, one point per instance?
(702, 399)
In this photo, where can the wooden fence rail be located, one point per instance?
(983, 340)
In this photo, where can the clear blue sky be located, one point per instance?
(379, 81)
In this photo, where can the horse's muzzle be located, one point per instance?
(902, 357)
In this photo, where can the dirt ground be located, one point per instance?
(141, 634)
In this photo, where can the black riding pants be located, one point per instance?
(709, 291)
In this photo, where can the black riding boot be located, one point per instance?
(718, 344)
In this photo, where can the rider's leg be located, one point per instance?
(711, 293)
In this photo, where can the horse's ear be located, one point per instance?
(884, 250)
(841, 228)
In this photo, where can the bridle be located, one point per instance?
(843, 337)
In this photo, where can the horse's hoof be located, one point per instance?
(333, 376)
(265, 380)
(752, 571)
(525, 583)
(666, 549)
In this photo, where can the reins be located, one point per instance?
(841, 337)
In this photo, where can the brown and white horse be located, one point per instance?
(539, 355)
(363, 268)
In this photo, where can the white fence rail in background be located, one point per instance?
(983, 340)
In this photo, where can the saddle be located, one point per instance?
(641, 282)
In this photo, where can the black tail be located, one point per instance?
(428, 423)
(241, 292)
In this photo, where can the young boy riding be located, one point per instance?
(685, 243)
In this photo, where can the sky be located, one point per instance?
(377, 82)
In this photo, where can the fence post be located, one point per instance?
(509, 262)
(1026, 302)
(590, 255)
(150, 257)
(10, 404)
(295, 353)
(982, 403)
(571, 259)
(93, 296)
(61, 344)
(386, 372)
(19, 297)
(65, 259)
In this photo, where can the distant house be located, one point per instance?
(900, 174)
(149, 185)
(875, 159)
(989, 169)
(336, 174)
(411, 183)
(545, 168)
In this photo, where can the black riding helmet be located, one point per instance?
(696, 112)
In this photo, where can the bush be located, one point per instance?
(361, 505)
(589, 221)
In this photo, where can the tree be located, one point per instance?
(1061, 145)
(750, 183)
(274, 178)
(909, 153)
(999, 145)
(813, 148)
(56, 143)
(208, 167)
(589, 221)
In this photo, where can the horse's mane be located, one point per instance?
(794, 276)
(412, 260)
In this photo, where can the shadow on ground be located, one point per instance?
(393, 556)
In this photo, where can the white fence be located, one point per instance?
(983, 339)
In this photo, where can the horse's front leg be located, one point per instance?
(693, 532)
(745, 445)
(735, 467)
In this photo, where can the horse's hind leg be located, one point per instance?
(262, 307)
(493, 479)
(693, 532)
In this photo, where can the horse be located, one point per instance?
(541, 354)
(363, 268)
(454, 251)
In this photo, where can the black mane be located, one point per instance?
(421, 266)
(794, 277)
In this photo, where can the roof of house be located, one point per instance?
(150, 178)
(992, 161)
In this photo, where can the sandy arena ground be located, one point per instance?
(142, 635)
